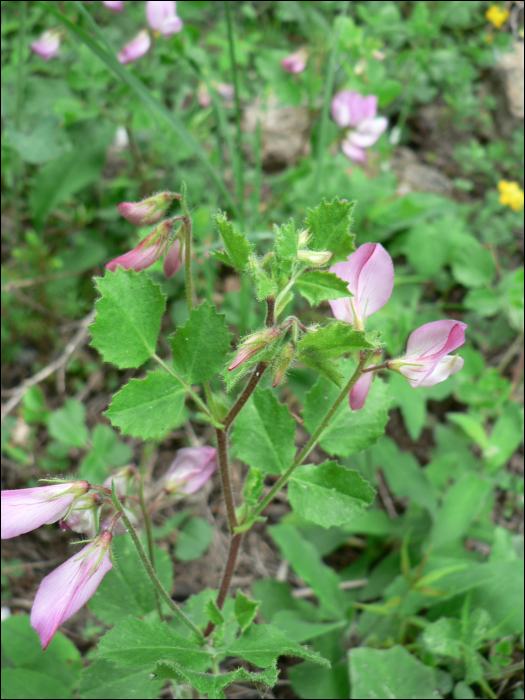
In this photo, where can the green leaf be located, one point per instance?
(295, 627)
(245, 610)
(472, 426)
(58, 180)
(68, 424)
(319, 285)
(21, 648)
(461, 504)
(134, 643)
(222, 256)
(148, 407)
(26, 683)
(200, 346)
(349, 431)
(46, 142)
(108, 451)
(310, 681)
(103, 680)
(253, 486)
(326, 368)
(237, 245)
(390, 673)
(126, 589)
(263, 644)
(264, 286)
(332, 341)
(212, 684)
(194, 539)
(328, 494)
(128, 318)
(505, 437)
(286, 241)
(264, 434)
(213, 613)
(472, 265)
(306, 562)
(329, 225)
(443, 637)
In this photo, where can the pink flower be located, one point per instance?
(47, 45)
(252, 345)
(370, 276)
(67, 588)
(24, 510)
(136, 48)
(352, 111)
(360, 390)
(427, 360)
(174, 259)
(147, 252)
(114, 5)
(190, 470)
(296, 62)
(147, 211)
(162, 17)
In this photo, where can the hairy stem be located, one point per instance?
(228, 574)
(188, 233)
(149, 535)
(151, 572)
(310, 444)
(224, 467)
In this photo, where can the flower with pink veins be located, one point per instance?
(24, 510)
(162, 18)
(427, 360)
(66, 589)
(352, 111)
(47, 45)
(190, 470)
(370, 276)
(147, 252)
(174, 259)
(295, 63)
(137, 47)
(114, 5)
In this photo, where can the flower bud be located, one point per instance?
(253, 344)
(283, 363)
(147, 252)
(174, 259)
(296, 62)
(162, 17)
(303, 239)
(47, 45)
(148, 211)
(122, 478)
(312, 257)
(190, 470)
(81, 518)
(137, 47)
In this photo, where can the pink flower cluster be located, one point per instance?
(370, 276)
(158, 243)
(358, 114)
(163, 21)
(66, 589)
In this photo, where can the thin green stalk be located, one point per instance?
(151, 573)
(239, 179)
(188, 389)
(309, 445)
(20, 88)
(256, 197)
(188, 240)
(149, 535)
(329, 88)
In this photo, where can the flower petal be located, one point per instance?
(342, 308)
(368, 132)
(136, 48)
(435, 339)
(173, 260)
(353, 152)
(360, 390)
(141, 257)
(445, 368)
(66, 589)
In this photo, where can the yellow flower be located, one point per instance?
(511, 195)
(497, 16)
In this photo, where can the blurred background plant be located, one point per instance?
(427, 585)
